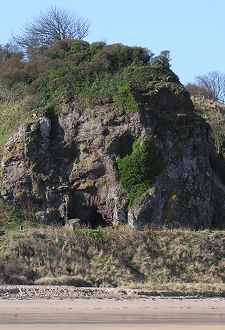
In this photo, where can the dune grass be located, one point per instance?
(163, 261)
(178, 260)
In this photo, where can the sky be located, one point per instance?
(192, 30)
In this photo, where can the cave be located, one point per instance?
(89, 209)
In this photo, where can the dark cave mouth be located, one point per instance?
(89, 210)
(92, 218)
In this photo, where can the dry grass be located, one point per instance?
(180, 289)
(64, 280)
(177, 259)
(213, 113)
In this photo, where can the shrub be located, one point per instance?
(90, 74)
(11, 71)
(64, 48)
(98, 45)
(138, 170)
(114, 57)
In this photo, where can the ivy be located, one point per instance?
(138, 170)
(125, 99)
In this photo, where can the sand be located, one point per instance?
(21, 309)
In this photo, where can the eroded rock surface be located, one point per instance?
(63, 166)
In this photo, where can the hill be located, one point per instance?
(104, 136)
(107, 135)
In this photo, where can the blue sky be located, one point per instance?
(192, 30)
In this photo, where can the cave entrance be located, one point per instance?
(89, 209)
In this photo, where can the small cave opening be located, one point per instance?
(89, 209)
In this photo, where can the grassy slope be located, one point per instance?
(214, 114)
(12, 113)
(11, 219)
(115, 257)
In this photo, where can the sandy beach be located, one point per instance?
(21, 309)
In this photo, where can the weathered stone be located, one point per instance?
(63, 166)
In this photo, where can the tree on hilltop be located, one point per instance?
(163, 58)
(53, 25)
(214, 82)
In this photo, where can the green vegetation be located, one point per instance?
(213, 113)
(114, 256)
(95, 234)
(87, 74)
(12, 219)
(125, 99)
(138, 170)
(83, 74)
(102, 182)
(13, 112)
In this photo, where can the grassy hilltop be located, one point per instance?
(75, 71)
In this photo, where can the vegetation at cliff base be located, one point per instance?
(115, 256)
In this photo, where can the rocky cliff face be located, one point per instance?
(68, 165)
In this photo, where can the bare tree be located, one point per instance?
(214, 82)
(53, 25)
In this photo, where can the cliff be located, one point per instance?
(140, 155)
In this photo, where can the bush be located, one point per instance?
(64, 48)
(89, 74)
(11, 72)
(138, 170)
